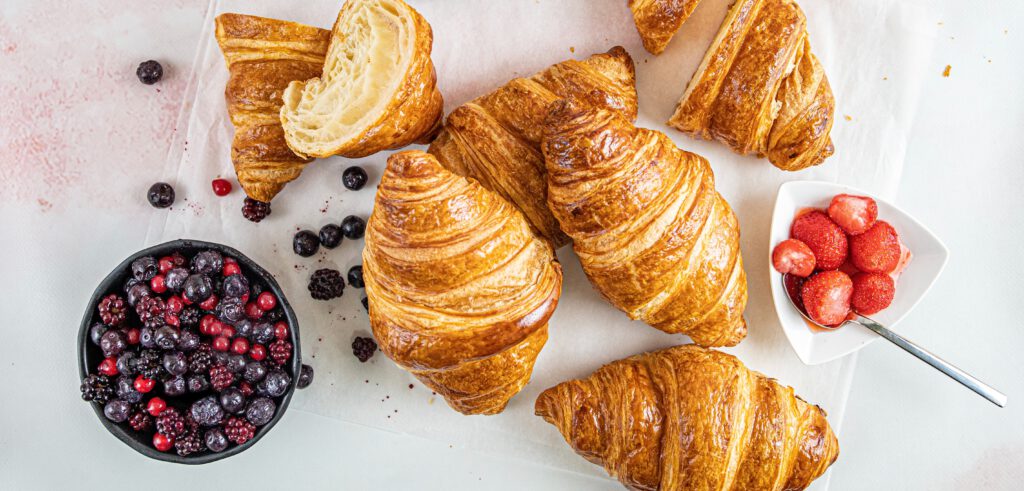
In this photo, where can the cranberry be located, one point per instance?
(174, 304)
(221, 187)
(253, 311)
(231, 268)
(266, 301)
(240, 346)
(216, 328)
(205, 322)
(227, 331)
(245, 298)
(281, 330)
(166, 264)
(133, 335)
(162, 442)
(157, 284)
(210, 303)
(221, 343)
(108, 367)
(171, 320)
(155, 406)
(186, 301)
(143, 384)
(258, 352)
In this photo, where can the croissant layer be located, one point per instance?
(658, 20)
(496, 138)
(689, 418)
(460, 287)
(760, 89)
(652, 234)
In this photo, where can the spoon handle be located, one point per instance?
(982, 389)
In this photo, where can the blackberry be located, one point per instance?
(188, 340)
(354, 178)
(151, 311)
(254, 211)
(363, 348)
(305, 243)
(149, 72)
(160, 195)
(305, 376)
(280, 351)
(330, 236)
(239, 431)
(355, 276)
(145, 268)
(170, 423)
(97, 388)
(221, 378)
(140, 421)
(188, 444)
(353, 227)
(207, 262)
(326, 284)
(200, 360)
(215, 439)
(189, 317)
(112, 310)
(149, 364)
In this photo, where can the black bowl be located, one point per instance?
(89, 355)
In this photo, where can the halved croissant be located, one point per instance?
(378, 90)
(263, 56)
(460, 287)
(658, 20)
(652, 234)
(760, 89)
(495, 138)
(688, 418)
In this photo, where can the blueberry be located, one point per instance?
(263, 332)
(188, 340)
(232, 400)
(244, 328)
(146, 338)
(198, 287)
(132, 281)
(207, 411)
(117, 410)
(305, 376)
(137, 291)
(197, 383)
(354, 178)
(175, 363)
(149, 72)
(330, 236)
(126, 390)
(219, 358)
(215, 440)
(125, 363)
(175, 279)
(175, 386)
(254, 371)
(96, 333)
(353, 227)
(207, 262)
(236, 363)
(235, 286)
(232, 309)
(145, 268)
(160, 195)
(166, 337)
(112, 343)
(275, 384)
(355, 276)
(305, 243)
(260, 411)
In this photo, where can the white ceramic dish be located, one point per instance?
(929, 258)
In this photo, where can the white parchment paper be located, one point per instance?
(873, 51)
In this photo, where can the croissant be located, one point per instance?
(760, 89)
(652, 234)
(263, 56)
(378, 90)
(495, 138)
(689, 418)
(460, 287)
(658, 20)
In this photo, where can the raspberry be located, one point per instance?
(854, 214)
(825, 239)
(112, 310)
(793, 257)
(151, 311)
(280, 351)
(170, 423)
(826, 297)
(221, 378)
(877, 250)
(872, 292)
(239, 431)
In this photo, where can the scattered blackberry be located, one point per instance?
(188, 444)
(355, 276)
(330, 236)
(149, 72)
(140, 421)
(145, 268)
(151, 311)
(189, 317)
(221, 378)
(160, 195)
(363, 348)
(239, 431)
(149, 364)
(353, 227)
(305, 243)
(354, 178)
(254, 211)
(112, 310)
(326, 284)
(170, 423)
(280, 351)
(305, 376)
(97, 388)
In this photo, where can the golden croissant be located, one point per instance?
(263, 56)
(688, 418)
(460, 287)
(652, 234)
(658, 20)
(760, 89)
(378, 90)
(495, 138)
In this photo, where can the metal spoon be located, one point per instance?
(979, 387)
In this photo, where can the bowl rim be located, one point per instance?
(112, 281)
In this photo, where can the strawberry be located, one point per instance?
(826, 297)
(825, 239)
(872, 292)
(793, 257)
(855, 214)
(877, 250)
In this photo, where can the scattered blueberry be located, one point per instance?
(353, 227)
(149, 72)
(305, 243)
(355, 276)
(305, 376)
(330, 236)
(160, 195)
(354, 178)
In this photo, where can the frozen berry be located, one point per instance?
(253, 311)
(126, 390)
(275, 384)
(160, 195)
(166, 337)
(232, 400)
(305, 243)
(872, 292)
(165, 264)
(877, 250)
(188, 444)
(221, 187)
(197, 383)
(175, 279)
(826, 297)
(363, 348)
(854, 214)
(281, 330)
(97, 388)
(221, 377)
(255, 211)
(126, 363)
(236, 363)
(175, 386)
(353, 227)
(197, 288)
(354, 178)
(96, 333)
(266, 301)
(132, 335)
(239, 431)
(112, 310)
(140, 421)
(175, 362)
(188, 340)
(230, 268)
(235, 286)
(113, 343)
(108, 367)
(143, 384)
(149, 72)
(207, 411)
(280, 351)
(215, 440)
(162, 442)
(825, 239)
(117, 410)
(232, 309)
(260, 411)
(207, 262)
(145, 268)
(155, 406)
(305, 376)
(355, 276)
(264, 332)
(240, 346)
(793, 257)
(254, 371)
(170, 423)
(330, 236)
(326, 284)
(257, 352)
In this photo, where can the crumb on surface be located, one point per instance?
(572, 49)
(945, 73)
(848, 117)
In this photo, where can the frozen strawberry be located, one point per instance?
(872, 292)
(793, 257)
(826, 297)
(825, 239)
(877, 250)
(855, 214)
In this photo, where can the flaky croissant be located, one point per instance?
(760, 89)
(263, 56)
(658, 20)
(652, 234)
(378, 90)
(460, 287)
(495, 138)
(688, 418)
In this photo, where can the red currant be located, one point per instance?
(227, 331)
(216, 328)
(221, 343)
(210, 303)
(221, 187)
(174, 304)
(258, 352)
(281, 330)
(155, 406)
(108, 367)
(231, 268)
(162, 442)
(143, 384)
(266, 301)
(133, 335)
(166, 264)
(157, 284)
(253, 311)
(240, 346)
